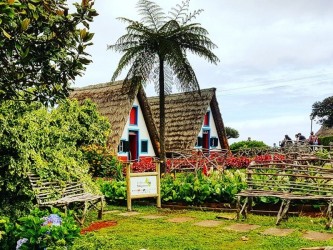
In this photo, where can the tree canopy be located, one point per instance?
(231, 133)
(323, 111)
(162, 40)
(42, 48)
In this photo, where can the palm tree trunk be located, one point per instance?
(162, 116)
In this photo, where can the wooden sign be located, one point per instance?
(143, 185)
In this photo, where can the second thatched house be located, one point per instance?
(133, 132)
(192, 121)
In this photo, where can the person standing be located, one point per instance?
(313, 140)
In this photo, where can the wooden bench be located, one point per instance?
(287, 181)
(53, 194)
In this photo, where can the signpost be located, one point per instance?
(143, 185)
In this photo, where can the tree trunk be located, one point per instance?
(162, 116)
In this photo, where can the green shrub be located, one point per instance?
(94, 241)
(190, 188)
(36, 139)
(45, 230)
(113, 190)
(197, 188)
(247, 144)
(6, 233)
(103, 163)
(325, 140)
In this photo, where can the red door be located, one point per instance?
(133, 145)
(205, 140)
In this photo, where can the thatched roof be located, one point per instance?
(325, 131)
(115, 101)
(184, 115)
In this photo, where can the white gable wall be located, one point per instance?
(142, 130)
(212, 128)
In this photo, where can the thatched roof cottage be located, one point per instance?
(191, 121)
(325, 131)
(133, 132)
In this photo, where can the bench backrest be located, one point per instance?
(291, 178)
(47, 191)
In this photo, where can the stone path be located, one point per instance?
(278, 231)
(237, 227)
(311, 235)
(180, 219)
(242, 227)
(208, 223)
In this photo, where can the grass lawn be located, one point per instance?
(136, 232)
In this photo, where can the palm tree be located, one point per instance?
(162, 40)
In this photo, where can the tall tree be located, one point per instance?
(163, 40)
(323, 111)
(231, 133)
(42, 48)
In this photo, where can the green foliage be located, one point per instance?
(198, 188)
(6, 233)
(247, 144)
(94, 241)
(43, 48)
(41, 233)
(102, 162)
(323, 154)
(325, 140)
(323, 111)
(35, 139)
(190, 188)
(231, 133)
(113, 190)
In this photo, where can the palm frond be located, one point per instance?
(152, 14)
(179, 12)
(181, 67)
(191, 16)
(170, 78)
(142, 65)
(181, 15)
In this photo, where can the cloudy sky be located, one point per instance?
(276, 59)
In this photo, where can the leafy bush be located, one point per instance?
(103, 163)
(6, 233)
(35, 139)
(237, 162)
(191, 188)
(323, 154)
(247, 144)
(113, 190)
(243, 161)
(144, 165)
(325, 140)
(198, 188)
(41, 230)
(94, 241)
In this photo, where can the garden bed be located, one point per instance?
(97, 225)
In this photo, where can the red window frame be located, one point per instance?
(206, 119)
(133, 119)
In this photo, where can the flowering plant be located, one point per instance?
(41, 230)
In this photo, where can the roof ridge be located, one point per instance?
(99, 85)
(184, 93)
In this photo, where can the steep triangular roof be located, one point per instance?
(325, 131)
(184, 114)
(114, 101)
